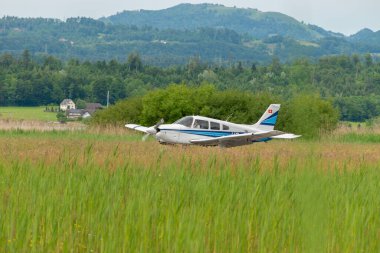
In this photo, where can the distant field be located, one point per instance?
(27, 113)
(103, 190)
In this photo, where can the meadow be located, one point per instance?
(103, 190)
(27, 113)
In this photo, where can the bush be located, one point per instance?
(308, 115)
(61, 117)
(120, 113)
(177, 101)
(80, 104)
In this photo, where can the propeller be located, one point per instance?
(145, 137)
(153, 130)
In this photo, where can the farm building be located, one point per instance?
(72, 113)
(92, 107)
(67, 104)
(77, 113)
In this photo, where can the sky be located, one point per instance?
(344, 16)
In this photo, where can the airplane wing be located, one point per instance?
(137, 127)
(237, 139)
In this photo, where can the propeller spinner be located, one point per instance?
(153, 130)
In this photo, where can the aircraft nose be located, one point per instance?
(160, 136)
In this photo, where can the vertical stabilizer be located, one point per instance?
(269, 118)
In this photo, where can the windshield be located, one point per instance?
(186, 121)
(201, 124)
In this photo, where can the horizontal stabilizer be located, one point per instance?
(286, 136)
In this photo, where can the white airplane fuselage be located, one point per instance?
(180, 134)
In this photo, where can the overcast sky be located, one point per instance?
(345, 16)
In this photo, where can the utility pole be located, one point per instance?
(108, 98)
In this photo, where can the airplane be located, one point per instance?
(204, 131)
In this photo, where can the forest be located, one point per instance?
(351, 83)
(220, 36)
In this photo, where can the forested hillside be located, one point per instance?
(351, 82)
(258, 24)
(214, 33)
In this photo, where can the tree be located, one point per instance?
(6, 60)
(309, 115)
(368, 60)
(52, 63)
(61, 117)
(276, 67)
(134, 62)
(100, 89)
(2, 93)
(80, 104)
(25, 59)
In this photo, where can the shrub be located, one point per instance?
(305, 114)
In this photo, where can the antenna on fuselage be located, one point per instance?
(229, 116)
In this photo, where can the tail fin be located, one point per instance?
(269, 118)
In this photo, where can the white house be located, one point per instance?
(67, 104)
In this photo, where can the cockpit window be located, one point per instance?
(186, 121)
(215, 126)
(225, 128)
(201, 124)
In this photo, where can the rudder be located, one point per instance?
(269, 118)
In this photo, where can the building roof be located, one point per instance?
(66, 101)
(92, 107)
(75, 111)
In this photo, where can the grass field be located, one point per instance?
(27, 113)
(103, 190)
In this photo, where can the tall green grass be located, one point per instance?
(359, 138)
(76, 205)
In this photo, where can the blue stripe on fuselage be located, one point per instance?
(204, 132)
(263, 140)
(213, 133)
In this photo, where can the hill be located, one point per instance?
(213, 33)
(367, 37)
(258, 24)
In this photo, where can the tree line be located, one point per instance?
(352, 83)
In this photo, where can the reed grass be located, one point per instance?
(97, 191)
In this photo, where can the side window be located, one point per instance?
(200, 124)
(226, 127)
(215, 126)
